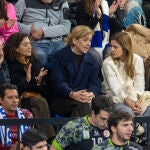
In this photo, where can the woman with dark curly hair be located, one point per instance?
(27, 74)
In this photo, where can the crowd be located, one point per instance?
(51, 67)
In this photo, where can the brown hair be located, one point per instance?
(3, 11)
(88, 6)
(124, 40)
(78, 32)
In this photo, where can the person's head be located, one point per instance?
(102, 106)
(32, 139)
(121, 50)
(46, 1)
(9, 98)
(3, 12)
(121, 125)
(80, 39)
(17, 45)
(122, 3)
(89, 5)
(1, 52)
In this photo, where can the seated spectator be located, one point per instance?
(121, 126)
(28, 75)
(4, 73)
(95, 14)
(9, 109)
(133, 12)
(83, 133)
(32, 139)
(43, 21)
(8, 24)
(123, 74)
(74, 75)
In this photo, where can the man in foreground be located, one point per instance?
(32, 139)
(121, 126)
(83, 133)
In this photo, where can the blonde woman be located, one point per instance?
(74, 75)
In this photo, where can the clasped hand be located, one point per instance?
(83, 96)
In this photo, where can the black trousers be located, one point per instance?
(69, 108)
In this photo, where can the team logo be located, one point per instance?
(96, 133)
(106, 133)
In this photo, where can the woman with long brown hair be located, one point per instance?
(123, 74)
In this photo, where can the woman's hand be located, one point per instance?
(42, 73)
(113, 8)
(97, 9)
(138, 108)
(28, 73)
(10, 23)
(2, 21)
(135, 106)
(82, 96)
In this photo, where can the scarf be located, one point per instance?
(23, 128)
(100, 40)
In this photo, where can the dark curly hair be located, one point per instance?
(12, 43)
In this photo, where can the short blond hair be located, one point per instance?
(78, 32)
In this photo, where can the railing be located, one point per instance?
(60, 121)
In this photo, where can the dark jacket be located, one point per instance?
(18, 76)
(4, 73)
(115, 23)
(66, 77)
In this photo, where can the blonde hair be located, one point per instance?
(78, 32)
(124, 40)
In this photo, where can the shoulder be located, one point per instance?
(76, 123)
(10, 5)
(27, 114)
(137, 58)
(108, 61)
(135, 146)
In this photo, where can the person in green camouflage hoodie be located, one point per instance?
(121, 126)
(83, 133)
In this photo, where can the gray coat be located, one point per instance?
(45, 16)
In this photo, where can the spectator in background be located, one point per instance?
(95, 14)
(84, 133)
(27, 73)
(133, 12)
(32, 139)
(4, 73)
(74, 75)
(8, 24)
(121, 126)
(9, 109)
(123, 74)
(44, 22)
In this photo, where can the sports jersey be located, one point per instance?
(109, 145)
(79, 134)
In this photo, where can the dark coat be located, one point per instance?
(4, 73)
(18, 76)
(66, 77)
(115, 23)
